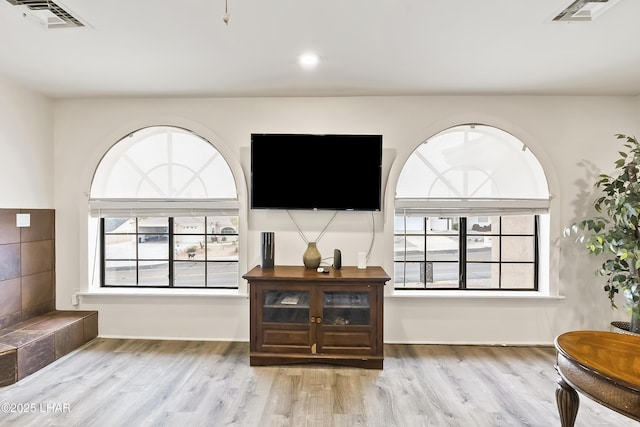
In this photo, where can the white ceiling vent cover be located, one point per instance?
(48, 13)
(584, 10)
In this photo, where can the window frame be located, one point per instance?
(462, 258)
(171, 260)
(220, 198)
(520, 191)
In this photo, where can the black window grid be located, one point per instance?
(462, 260)
(171, 259)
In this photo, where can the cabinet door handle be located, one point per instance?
(313, 320)
(318, 319)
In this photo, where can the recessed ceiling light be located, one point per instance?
(309, 60)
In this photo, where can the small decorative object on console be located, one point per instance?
(362, 260)
(337, 259)
(311, 257)
(268, 249)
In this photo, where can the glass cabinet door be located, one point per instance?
(346, 308)
(291, 306)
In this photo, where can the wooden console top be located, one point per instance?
(291, 272)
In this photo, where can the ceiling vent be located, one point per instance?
(584, 10)
(48, 13)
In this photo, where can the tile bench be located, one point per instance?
(32, 344)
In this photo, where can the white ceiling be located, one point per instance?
(367, 47)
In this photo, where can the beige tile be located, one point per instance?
(42, 225)
(37, 289)
(9, 233)
(10, 297)
(9, 261)
(37, 257)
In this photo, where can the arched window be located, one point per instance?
(467, 205)
(167, 205)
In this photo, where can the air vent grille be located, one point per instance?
(51, 14)
(584, 10)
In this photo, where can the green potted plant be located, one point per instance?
(614, 232)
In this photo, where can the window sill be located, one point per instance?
(455, 294)
(172, 293)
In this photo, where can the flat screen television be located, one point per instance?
(308, 171)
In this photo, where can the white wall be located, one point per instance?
(26, 144)
(572, 137)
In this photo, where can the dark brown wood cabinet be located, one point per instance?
(299, 315)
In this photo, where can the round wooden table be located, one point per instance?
(604, 366)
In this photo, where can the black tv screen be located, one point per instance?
(305, 171)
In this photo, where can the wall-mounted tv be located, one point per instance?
(308, 171)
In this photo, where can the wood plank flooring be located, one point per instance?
(113, 382)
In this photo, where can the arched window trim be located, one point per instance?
(474, 206)
(151, 130)
(458, 193)
(128, 207)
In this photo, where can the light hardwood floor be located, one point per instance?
(113, 382)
